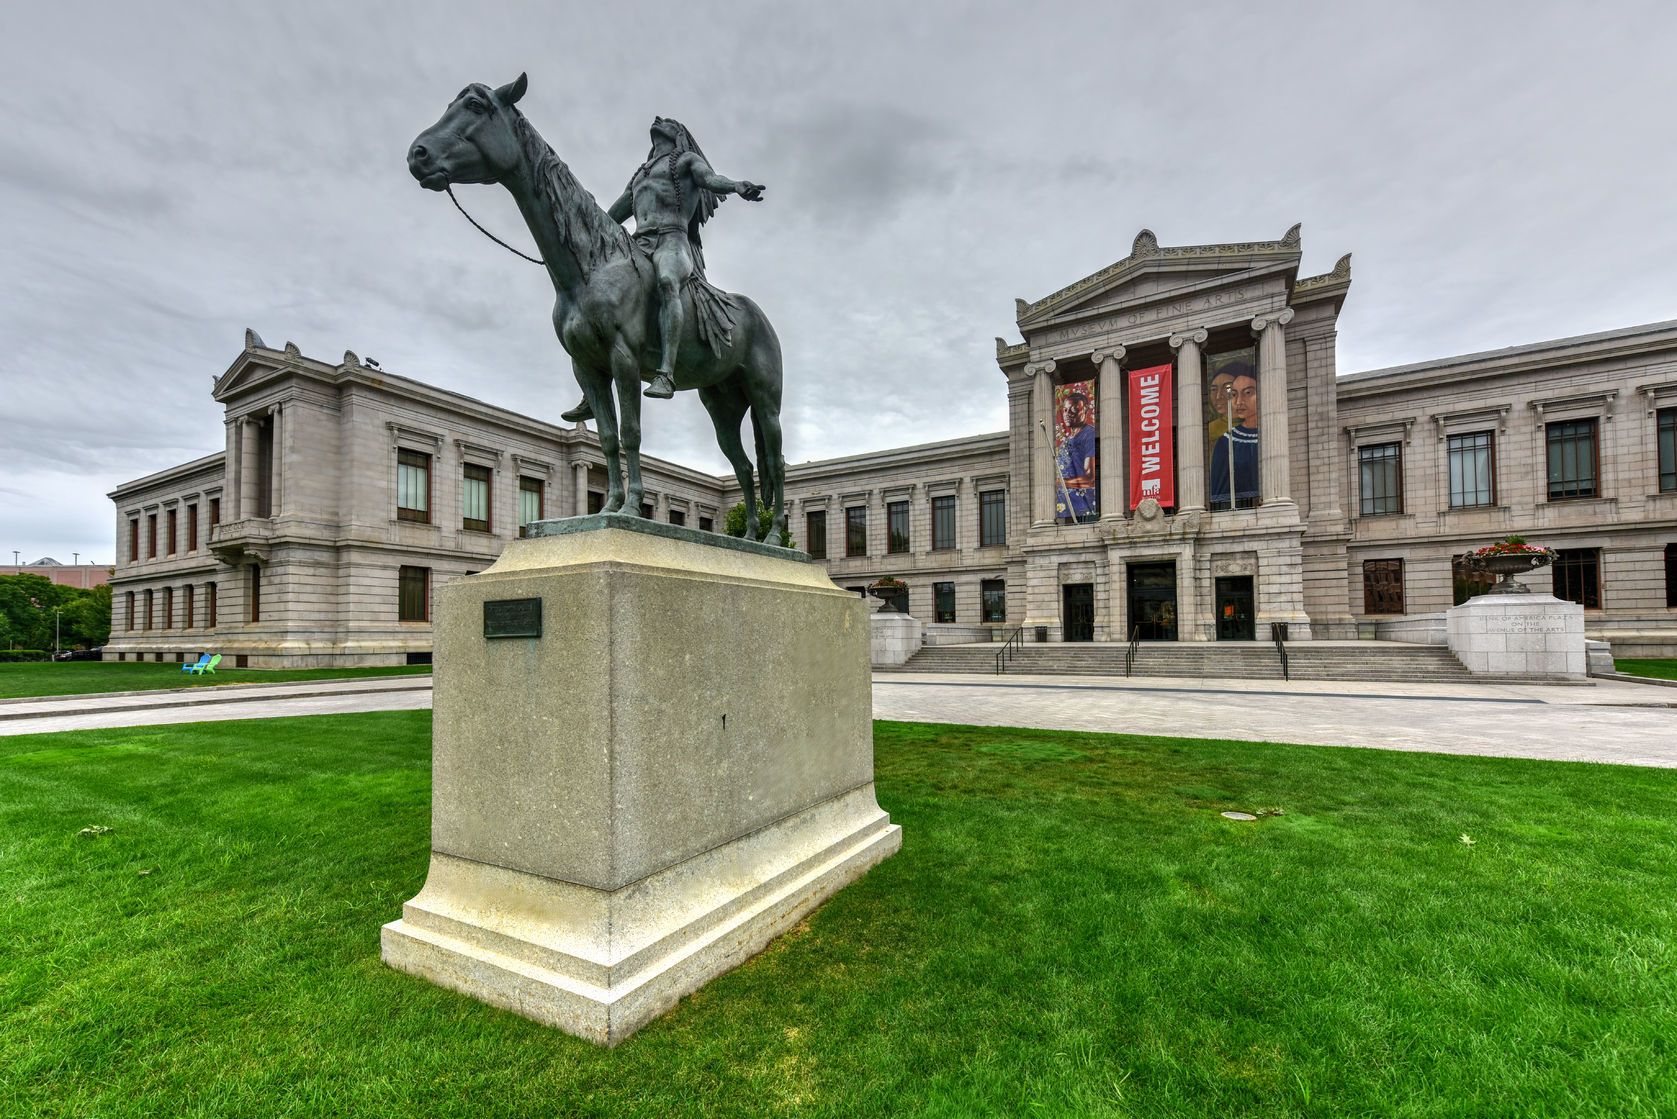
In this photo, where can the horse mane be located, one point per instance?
(593, 237)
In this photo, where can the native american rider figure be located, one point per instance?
(671, 196)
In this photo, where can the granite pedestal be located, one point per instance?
(674, 771)
(1532, 635)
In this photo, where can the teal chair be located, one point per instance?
(208, 665)
(202, 660)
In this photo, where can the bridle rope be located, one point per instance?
(486, 232)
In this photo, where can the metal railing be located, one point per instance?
(1279, 633)
(1135, 647)
(1008, 649)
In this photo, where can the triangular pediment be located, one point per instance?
(258, 364)
(1152, 272)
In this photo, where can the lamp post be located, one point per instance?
(55, 633)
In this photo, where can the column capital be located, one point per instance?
(1278, 318)
(1197, 337)
(1041, 369)
(1116, 353)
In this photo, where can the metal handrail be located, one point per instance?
(1135, 647)
(1281, 651)
(1017, 637)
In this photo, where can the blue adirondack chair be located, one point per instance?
(194, 667)
(207, 666)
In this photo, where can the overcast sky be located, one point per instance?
(172, 173)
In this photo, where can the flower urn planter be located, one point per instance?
(1509, 564)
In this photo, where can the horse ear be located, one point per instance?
(509, 94)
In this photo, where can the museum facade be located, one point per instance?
(1183, 461)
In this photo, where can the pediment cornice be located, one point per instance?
(1148, 256)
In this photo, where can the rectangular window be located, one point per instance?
(1577, 576)
(596, 501)
(173, 525)
(943, 523)
(646, 510)
(943, 602)
(992, 518)
(896, 525)
(856, 530)
(168, 608)
(706, 525)
(192, 528)
(1383, 586)
(209, 605)
(529, 501)
(215, 511)
(255, 593)
(677, 517)
(133, 542)
(129, 612)
(1671, 576)
(1574, 459)
(413, 486)
(1668, 449)
(992, 597)
(414, 594)
(191, 619)
(1467, 581)
(815, 534)
(1381, 473)
(148, 609)
(1472, 470)
(474, 497)
(151, 535)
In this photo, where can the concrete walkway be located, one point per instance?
(1606, 721)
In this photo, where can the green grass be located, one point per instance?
(85, 677)
(1070, 929)
(1663, 668)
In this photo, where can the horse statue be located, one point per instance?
(606, 310)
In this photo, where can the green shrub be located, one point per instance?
(734, 524)
(19, 656)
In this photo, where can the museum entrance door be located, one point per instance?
(1153, 600)
(1077, 611)
(1235, 619)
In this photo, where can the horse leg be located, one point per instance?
(726, 405)
(626, 374)
(596, 389)
(762, 387)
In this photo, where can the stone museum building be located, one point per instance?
(1184, 461)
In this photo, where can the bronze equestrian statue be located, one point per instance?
(629, 308)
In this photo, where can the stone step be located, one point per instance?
(1372, 661)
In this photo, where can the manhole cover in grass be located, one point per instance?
(1238, 816)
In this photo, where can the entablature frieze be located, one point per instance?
(856, 497)
(477, 452)
(990, 482)
(902, 492)
(943, 487)
(530, 467)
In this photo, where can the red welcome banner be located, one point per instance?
(1152, 457)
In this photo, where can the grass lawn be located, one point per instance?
(84, 677)
(1665, 668)
(1070, 929)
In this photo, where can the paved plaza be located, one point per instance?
(1604, 721)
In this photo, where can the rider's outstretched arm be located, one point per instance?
(710, 180)
(623, 207)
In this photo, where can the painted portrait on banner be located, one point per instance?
(1231, 428)
(1077, 495)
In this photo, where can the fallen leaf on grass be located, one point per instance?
(93, 830)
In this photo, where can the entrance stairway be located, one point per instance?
(1229, 660)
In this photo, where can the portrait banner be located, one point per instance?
(1231, 428)
(1076, 460)
(1152, 451)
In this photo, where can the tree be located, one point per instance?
(734, 524)
(27, 603)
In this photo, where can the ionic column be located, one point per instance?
(1042, 443)
(1273, 462)
(248, 443)
(1190, 421)
(579, 471)
(1109, 391)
